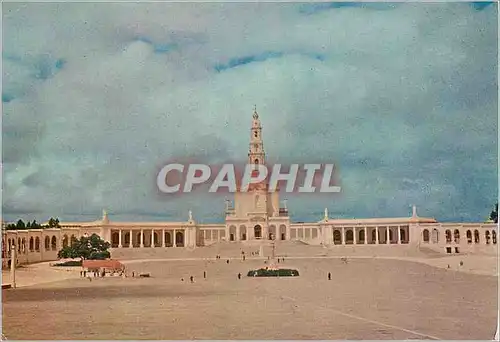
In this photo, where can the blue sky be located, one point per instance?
(402, 97)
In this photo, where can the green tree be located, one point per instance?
(494, 214)
(53, 223)
(87, 247)
(20, 224)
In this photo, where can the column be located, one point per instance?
(388, 241)
(377, 238)
(238, 234)
(163, 238)
(354, 236)
(120, 238)
(142, 239)
(366, 235)
(130, 239)
(343, 236)
(152, 238)
(174, 239)
(399, 235)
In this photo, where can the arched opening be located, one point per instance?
(469, 237)
(448, 236)
(257, 232)
(402, 233)
(435, 236)
(374, 235)
(47, 243)
(272, 232)
(243, 232)
(494, 237)
(426, 235)
(65, 241)
(114, 239)
(349, 237)
(32, 244)
(256, 161)
(156, 240)
(337, 237)
(168, 239)
(18, 245)
(476, 236)
(72, 239)
(487, 237)
(23, 246)
(232, 233)
(391, 236)
(361, 236)
(54, 243)
(37, 244)
(282, 232)
(139, 240)
(126, 238)
(179, 239)
(456, 236)
(146, 239)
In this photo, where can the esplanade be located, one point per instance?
(256, 215)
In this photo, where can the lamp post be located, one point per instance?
(274, 249)
(13, 267)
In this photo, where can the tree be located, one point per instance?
(20, 224)
(494, 214)
(11, 226)
(53, 223)
(86, 247)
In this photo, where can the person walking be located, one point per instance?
(239, 275)
(192, 279)
(204, 274)
(329, 276)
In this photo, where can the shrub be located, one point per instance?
(282, 272)
(71, 263)
(100, 255)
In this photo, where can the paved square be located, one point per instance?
(366, 299)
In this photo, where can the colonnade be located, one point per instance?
(380, 235)
(124, 238)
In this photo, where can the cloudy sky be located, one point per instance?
(97, 97)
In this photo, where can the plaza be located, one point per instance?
(405, 300)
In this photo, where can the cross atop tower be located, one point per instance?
(255, 114)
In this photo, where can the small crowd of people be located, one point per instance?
(99, 273)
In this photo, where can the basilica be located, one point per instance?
(256, 215)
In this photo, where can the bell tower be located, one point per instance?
(256, 154)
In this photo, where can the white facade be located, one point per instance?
(257, 215)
